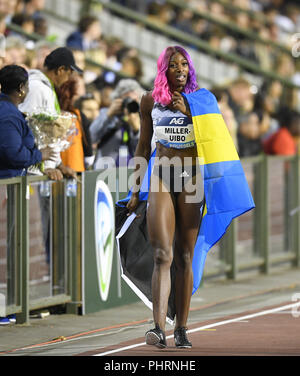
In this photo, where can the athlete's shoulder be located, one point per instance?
(147, 101)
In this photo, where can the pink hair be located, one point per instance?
(161, 92)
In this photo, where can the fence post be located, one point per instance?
(264, 187)
(261, 214)
(296, 215)
(74, 230)
(230, 250)
(23, 317)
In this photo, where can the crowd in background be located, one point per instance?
(255, 118)
(273, 20)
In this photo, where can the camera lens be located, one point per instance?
(131, 105)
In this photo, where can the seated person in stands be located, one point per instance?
(286, 140)
(87, 36)
(249, 141)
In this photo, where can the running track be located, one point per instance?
(272, 331)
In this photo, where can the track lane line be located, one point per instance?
(224, 322)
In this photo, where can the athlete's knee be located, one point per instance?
(163, 256)
(184, 258)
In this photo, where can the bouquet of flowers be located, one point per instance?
(53, 130)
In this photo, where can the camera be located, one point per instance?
(131, 105)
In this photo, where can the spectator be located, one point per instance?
(15, 51)
(41, 26)
(30, 59)
(132, 66)
(93, 89)
(249, 141)
(8, 8)
(264, 53)
(79, 57)
(43, 85)
(80, 87)
(72, 157)
(89, 107)
(33, 8)
(17, 147)
(106, 92)
(243, 47)
(267, 102)
(114, 47)
(116, 129)
(240, 98)
(200, 28)
(161, 14)
(25, 21)
(2, 23)
(286, 140)
(218, 11)
(87, 36)
(184, 20)
(42, 49)
(58, 68)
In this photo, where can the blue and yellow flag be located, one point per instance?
(226, 191)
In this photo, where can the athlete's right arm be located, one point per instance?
(143, 149)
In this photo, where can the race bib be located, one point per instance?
(176, 132)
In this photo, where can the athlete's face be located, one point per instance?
(177, 73)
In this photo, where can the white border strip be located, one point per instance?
(257, 314)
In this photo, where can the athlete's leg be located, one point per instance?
(161, 229)
(188, 219)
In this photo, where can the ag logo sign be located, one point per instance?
(104, 236)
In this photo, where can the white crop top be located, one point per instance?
(172, 129)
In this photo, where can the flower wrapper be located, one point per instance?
(53, 130)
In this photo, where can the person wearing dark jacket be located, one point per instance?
(249, 138)
(17, 147)
(87, 36)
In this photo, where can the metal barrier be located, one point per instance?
(36, 249)
(268, 235)
(41, 229)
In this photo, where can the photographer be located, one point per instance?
(115, 131)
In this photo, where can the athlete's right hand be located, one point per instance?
(133, 203)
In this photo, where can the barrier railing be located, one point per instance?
(43, 253)
(36, 231)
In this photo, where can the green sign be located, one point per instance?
(102, 286)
